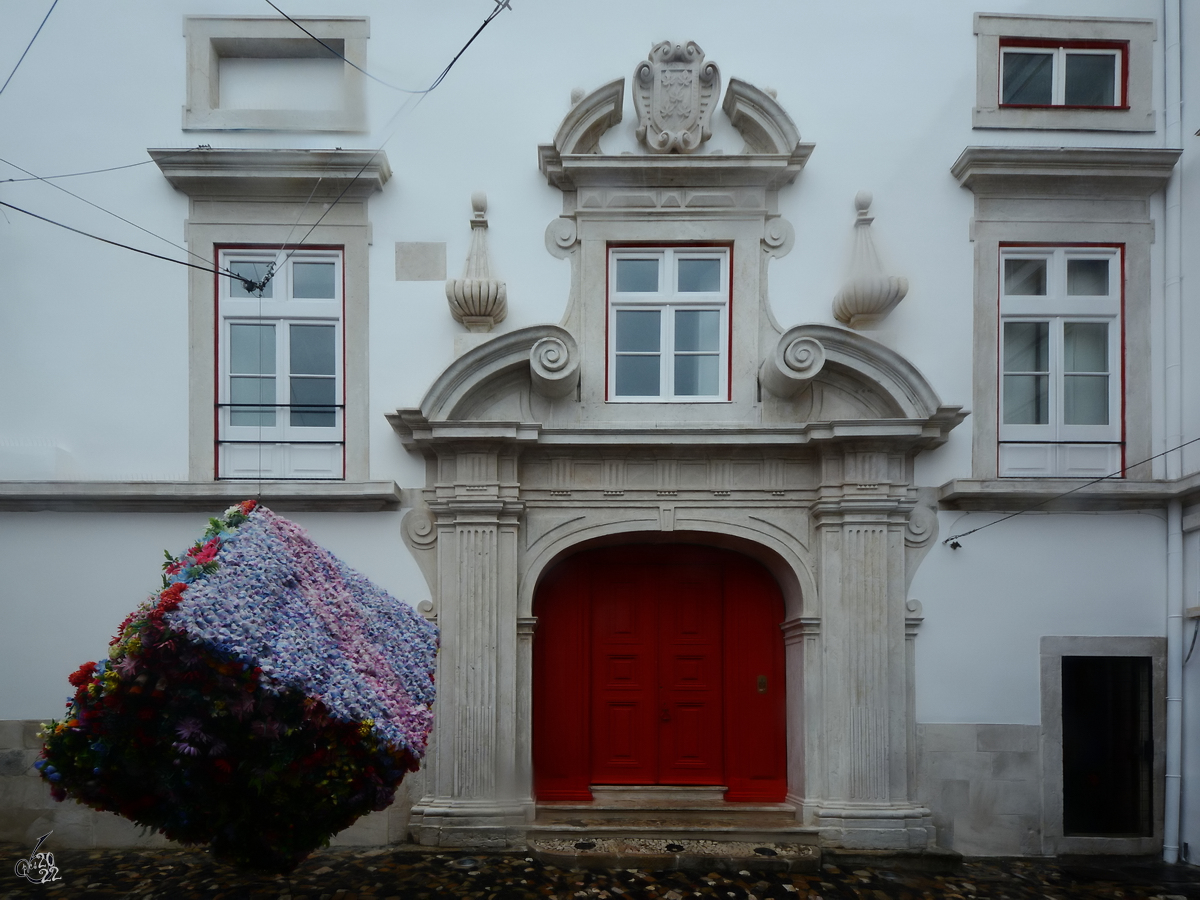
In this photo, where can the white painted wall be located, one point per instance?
(987, 604)
(69, 580)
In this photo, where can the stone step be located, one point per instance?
(764, 814)
(691, 852)
(675, 825)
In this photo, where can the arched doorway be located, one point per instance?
(659, 664)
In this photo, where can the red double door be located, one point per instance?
(659, 664)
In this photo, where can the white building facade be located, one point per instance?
(759, 451)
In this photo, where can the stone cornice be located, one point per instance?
(208, 174)
(173, 496)
(771, 171)
(1112, 169)
(1046, 494)
(415, 430)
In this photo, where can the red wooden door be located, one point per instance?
(659, 665)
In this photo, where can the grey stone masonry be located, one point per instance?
(984, 786)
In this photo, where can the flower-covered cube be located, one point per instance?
(262, 701)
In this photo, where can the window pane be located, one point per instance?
(1026, 346)
(639, 331)
(1085, 399)
(637, 376)
(252, 350)
(252, 390)
(637, 276)
(1025, 277)
(312, 349)
(1087, 277)
(313, 281)
(697, 376)
(1026, 399)
(699, 276)
(1028, 78)
(1085, 346)
(315, 397)
(252, 271)
(1091, 79)
(697, 329)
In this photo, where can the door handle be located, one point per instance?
(666, 714)
(762, 684)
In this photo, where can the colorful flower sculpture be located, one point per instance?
(261, 702)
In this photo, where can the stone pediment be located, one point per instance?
(772, 157)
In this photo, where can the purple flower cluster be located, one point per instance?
(312, 623)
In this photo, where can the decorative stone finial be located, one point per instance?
(674, 91)
(477, 299)
(577, 94)
(868, 294)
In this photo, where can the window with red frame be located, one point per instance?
(1072, 74)
(1060, 360)
(280, 408)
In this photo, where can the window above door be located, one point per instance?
(668, 324)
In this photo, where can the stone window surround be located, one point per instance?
(1138, 34)
(211, 38)
(258, 197)
(1053, 649)
(1057, 196)
(667, 299)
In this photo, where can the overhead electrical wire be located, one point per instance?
(251, 286)
(500, 5)
(96, 237)
(954, 538)
(109, 212)
(27, 46)
(144, 162)
(291, 249)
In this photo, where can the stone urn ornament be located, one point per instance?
(477, 299)
(868, 294)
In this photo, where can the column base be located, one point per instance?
(902, 827)
(483, 824)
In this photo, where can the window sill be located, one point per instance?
(175, 496)
(1026, 493)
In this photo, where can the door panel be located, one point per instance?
(690, 735)
(623, 681)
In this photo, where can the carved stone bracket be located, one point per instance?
(920, 533)
(868, 294)
(795, 362)
(477, 299)
(674, 91)
(419, 530)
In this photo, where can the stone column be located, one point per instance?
(865, 796)
(472, 790)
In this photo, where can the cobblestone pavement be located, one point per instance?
(343, 874)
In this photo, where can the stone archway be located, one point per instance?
(519, 477)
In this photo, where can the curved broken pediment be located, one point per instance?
(585, 124)
(813, 353)
(544, 358)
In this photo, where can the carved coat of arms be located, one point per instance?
(674, 91)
